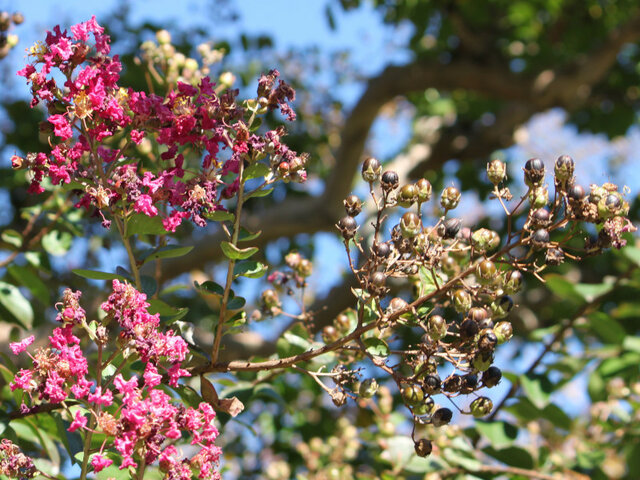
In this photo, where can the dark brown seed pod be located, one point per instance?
(423, 447)
(533, 171)
(352, 205)
(348, 226)
(441, 417)
(371, 170)
(432, 384)
(468, 329)
(491, 377)
(389, 180)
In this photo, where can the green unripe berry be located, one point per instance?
(481, 407)
(408, 196)
(503, 331)
(424, 190)
(462, 300)
(450, 198)
(437, 327)
(410, 225)
(539, 197)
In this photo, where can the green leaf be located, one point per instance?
(210, 287)
(632, 253)
(456, 457)
(428, 281)
(513, 456)
(537, 388)
(292, 344)
(589, 291)
(376, 346)
(14, 307)
(632, 344)
(258, 193)
(141, 224)
(57, 243)
(615, 366)
(606, 328)
(556, 416)
(28, 278)
(149, 285)
(250, 269)
(246, 236)
(236, 303)
(97, 275)
(170, 251)
(12, 238)
(221, 216)
(256, 170)
(234, 253)
(500, 434)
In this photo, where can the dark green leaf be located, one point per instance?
(513, 456)
(236, 303)
(97, 275)
(28, 278)
(234, 253)
(255, 171)
(376, 346)
(250, 269)
(149, 285)
(57, 243)
(258, 193)
(210, 287)
(141, 224)
(221, 216)
(537, 388)
(606, 328)
(15, 308)
(500, 434)
(170, 251)
(246, 236)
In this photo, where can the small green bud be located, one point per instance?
(450, 198)
(496, 171)
(410, 225)
(436, 327)
(503, 331)
(481, 407)
(462, 300)
(408, 196)
(539, 197)
(485, 240)
(424, 189)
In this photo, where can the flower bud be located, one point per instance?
(348, 226)
(503, 332)
(305, 269)
(283, 169)
(462, 300)
(371, 170)
(293, 259)
(423, 447)
(408, 196)
(410, 225)
(450, 198)
(163, 37)
(491, 377)
(563, 168)
(481, 406)
(17, 18)
(352, 205)
(269, 300)
(441, 417)
(436, 327)
(389, 181)
(368, 388)
(533, 172)
(17, 162)
(538, 197)
(496, 171)
(423, 186)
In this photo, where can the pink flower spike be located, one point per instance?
(99, 398)
(151, 376)
(80, 421)
(21, 346)
(98, 462)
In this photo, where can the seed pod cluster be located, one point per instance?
(462, 279)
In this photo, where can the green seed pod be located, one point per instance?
(539, 197)
(611, 205)
(424, 189)
(371, 170)
(513, 282)
(486, 272)
(496, 171)
(450, 198)
(408, 196)
(412, 395)
(330, 334)
(368, 388)
(437, 327)
(563, 168)
(462, 300)
(501, 306)
(482, 361)
(410, 225)
(449, 266)
(485, 240)
(481, 407)
(503, 331)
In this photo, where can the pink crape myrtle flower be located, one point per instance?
(99, 462)
(21, 346)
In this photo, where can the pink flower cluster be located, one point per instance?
(146, 424)
(140, 332)
(90, 110)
